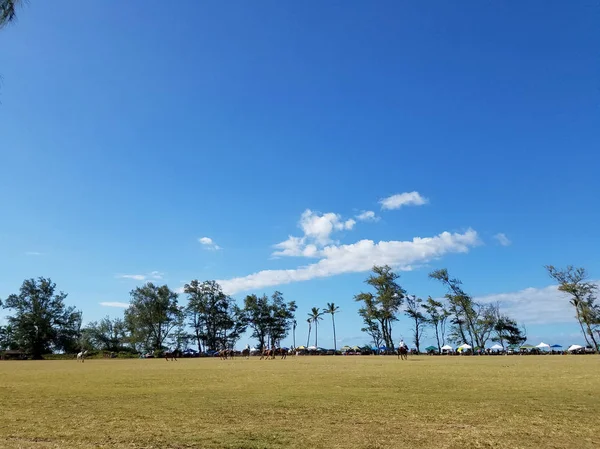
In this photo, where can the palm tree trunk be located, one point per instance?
(308, 339)
(334, 340)
(316, 333)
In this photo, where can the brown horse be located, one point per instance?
(267, 354)
(246, 353)
(282, 352)
(171, 355)
(403, 352)
(226, 353)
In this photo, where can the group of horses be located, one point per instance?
(266, 354)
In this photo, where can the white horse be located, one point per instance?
(81, 356)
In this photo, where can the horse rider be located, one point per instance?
(247, 350)
(402, 344)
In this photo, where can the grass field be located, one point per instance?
(303, 402)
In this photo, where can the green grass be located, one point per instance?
(303, 402)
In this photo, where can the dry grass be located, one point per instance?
(310, 402)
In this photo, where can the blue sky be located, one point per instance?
(129, 134)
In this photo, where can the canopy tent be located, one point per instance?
(346, 348)
(465, 346)
(527, 347)
(556, 346)
(253, 350)
(574, 348)
(430, 348)
(543, 345)
(355, 348)
(497, 347)
(312, 348)
(301, 348)
(447, 348)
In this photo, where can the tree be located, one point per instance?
(257, 314)
(41, 322)
(309, 321)
(294, 325)
(315, 316)
(214, 317)
(107, 335)
(281, 317)
(153, 313)
(413, 311)
(381, 309)
(373, 329)
(7, 338)
(270, 320)
(436, 317)
(472, 322)
(573, 281)
(8, 11)
(332, 309)
(508, 332)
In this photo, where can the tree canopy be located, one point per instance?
(380, 309)
(152, 314)
(40, 322)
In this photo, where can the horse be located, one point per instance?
(402, 352)
(280, 351)
(226, 353)
(171, 355)
(81, 356)
(246, 353)
(267, 353)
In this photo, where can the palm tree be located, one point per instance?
(294, 324)
(315, 316)
(332, 309)
(8, 11)
(309, 321)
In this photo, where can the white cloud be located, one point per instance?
(317, 230)
(295, 247)
(123, 305)
(319, 227)
(136, 277)
(154, 275)
(546, 305)
(502, 239)
(33, 253)
(367, 215)
(403, 199)
(359, 257)
(208, 243)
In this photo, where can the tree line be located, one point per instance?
(39, 322)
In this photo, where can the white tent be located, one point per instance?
(312, 348)
(465, 346)
(497, 347)
(253, 350)
(447, 348)
(543, 345)
(574, 348)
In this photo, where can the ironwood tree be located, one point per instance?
(582, 296)
(269, 318)
(472, 322)
(436, 316)
(216, 321)
(414, 312)
(152, 314)
(39, 321)
(380, 309)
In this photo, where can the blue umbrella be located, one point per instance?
(556, 346)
